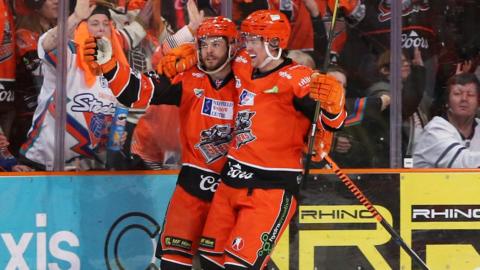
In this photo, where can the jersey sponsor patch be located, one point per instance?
(214, 142)
(178, 242)
(217, 108)
(235, 171)
(304, 81)
(238, 243)
(243, 132)
(207, 242)
(246, 98)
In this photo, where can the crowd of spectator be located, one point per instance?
(439, 44)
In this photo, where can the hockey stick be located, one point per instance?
(364, 200)
(326, 63)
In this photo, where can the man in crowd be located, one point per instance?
(452, 140)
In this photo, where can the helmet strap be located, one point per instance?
(270, 57)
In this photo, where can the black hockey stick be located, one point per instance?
(364, 200)
(326, 63)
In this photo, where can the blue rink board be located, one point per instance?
(82, 222)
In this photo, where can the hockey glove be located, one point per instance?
(98, 55)
(328, 91)
(178, 60)
(321, 145)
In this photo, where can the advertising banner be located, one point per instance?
(113, 222)
(436, 214)
(82, 222)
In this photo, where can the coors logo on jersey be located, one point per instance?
(214, 142)
(243, 133)
(408, 7)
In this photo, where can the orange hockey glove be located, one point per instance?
(89, 55)
(328, 91)
(98, 55)
(321, 145)
(178, 60)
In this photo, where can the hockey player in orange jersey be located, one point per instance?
(206, 97)
(276, 99)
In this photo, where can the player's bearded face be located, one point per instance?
(213, 52)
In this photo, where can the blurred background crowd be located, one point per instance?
(440, 55)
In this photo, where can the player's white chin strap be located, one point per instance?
(269, 58)
(227, 61)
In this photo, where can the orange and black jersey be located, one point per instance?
(206, 110)
(274, 113)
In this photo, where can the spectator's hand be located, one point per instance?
(417, 57)
(83, 9)
(195, 17)
(21, 168)
(343, 144)
(178, 60)
(145, 14)
(463, 67)
(385, 101)
(3, 141)
(328, 91)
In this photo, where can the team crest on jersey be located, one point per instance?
(246, 98)
(214, 142)
(198, 92)
(217, 108)
(243, 132)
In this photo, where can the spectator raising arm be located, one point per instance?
(82, 11)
